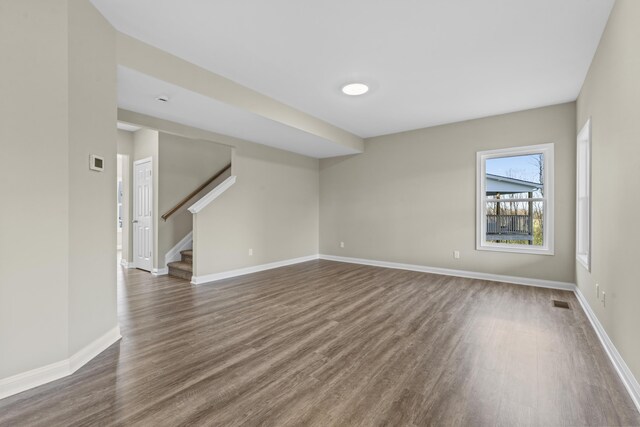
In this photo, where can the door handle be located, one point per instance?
(135, 221)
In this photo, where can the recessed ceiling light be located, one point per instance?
(163, 98)
(354, 89)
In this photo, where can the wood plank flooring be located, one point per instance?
(326, 343)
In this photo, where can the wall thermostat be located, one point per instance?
(96, 163)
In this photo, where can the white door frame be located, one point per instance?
(145, 265)
(127, 236)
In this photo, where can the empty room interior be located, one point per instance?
(330, 213)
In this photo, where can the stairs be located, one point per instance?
(182, 269)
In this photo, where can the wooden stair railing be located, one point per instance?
(195, 192)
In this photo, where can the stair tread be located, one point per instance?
(188, 252)
(181, 265)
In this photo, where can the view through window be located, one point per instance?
(514, 198)
(515, 204)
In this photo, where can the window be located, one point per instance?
(515, 200)
(583, 197)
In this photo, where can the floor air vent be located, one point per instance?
(560, 304)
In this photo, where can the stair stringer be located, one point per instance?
(174, 253)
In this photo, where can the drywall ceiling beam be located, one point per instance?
(149, 60)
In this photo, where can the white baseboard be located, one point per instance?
(160, 271)
(85, 354)
(33, 378)
(629, 381)
(126, 264)
(174, 253)
(565, 286)
(207, 278)
(45, 374)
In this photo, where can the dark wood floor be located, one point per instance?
(325, 343)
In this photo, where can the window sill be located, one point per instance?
(515, 249)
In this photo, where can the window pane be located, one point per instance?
(515, 176)
(583, 170)
(513, 222)
(515, 199)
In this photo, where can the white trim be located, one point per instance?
(565, 286)
(584, 137)
(207, 278)
(174, 253)
(125, 263)
(45, 374)
(549, 172)
(629, 381)
(85, 354)
(33, 378)
(141, 161)
(160, 271)
(212, 195)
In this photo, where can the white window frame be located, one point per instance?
(481, 206)
(583, 191)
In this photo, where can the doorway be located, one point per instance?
(143, 214)
(119, 208)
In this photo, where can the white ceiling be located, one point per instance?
(428, 61)
(138, 92)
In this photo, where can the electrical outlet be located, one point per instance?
(342, 244)
(604, 299)
(250, 252)
(456, 254)
(597, 291)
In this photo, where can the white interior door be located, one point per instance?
(143, 214)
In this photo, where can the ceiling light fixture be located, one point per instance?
(355, 89)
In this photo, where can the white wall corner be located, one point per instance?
(45, 374)
(628, 379)
(212, 195)
(174, 253)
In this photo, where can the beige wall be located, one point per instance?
(184, 164)
(180, 165)
(410, 197)
(34, 273)
(611, 97)
(57, 281)
(92, 225)
(272, 208)
(125, 142)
